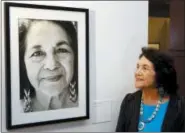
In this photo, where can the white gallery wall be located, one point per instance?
(117, 31)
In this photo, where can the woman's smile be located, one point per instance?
(54, 78)
(139, 79)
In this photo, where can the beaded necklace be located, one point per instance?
(143, 122)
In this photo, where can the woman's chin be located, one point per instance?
(52, 90)
(138, 86)
(52, 87)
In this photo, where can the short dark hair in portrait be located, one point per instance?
(164, 67)
(24, 26)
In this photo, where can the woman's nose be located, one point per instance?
(138, 71)
(51, 63)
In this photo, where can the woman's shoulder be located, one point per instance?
(181, 104)
(32, 107)
(131, 98)
(133, 95)
(70, 103)
(178, 100)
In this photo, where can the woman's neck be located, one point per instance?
(151, 96)
(51, 101)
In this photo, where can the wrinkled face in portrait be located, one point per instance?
(49, 58)
(145, 74)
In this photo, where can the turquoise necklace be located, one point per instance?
(143, 122)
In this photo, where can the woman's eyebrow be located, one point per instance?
(147, 66)
(143, 65)
(36, 47)
(62, 43)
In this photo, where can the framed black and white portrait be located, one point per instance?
(46, 64)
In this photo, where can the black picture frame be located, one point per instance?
(8, 57)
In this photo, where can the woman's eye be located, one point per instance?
(144, 68)
(62, 50)
(37, 54)
(137, 67)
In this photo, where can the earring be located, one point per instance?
(161, 91)
(72, 91)
(27, 101)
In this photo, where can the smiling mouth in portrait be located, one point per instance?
(54, 78)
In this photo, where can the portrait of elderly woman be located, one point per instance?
(48, 64)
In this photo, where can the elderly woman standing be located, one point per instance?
(156, 106)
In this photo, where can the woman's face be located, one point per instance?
(145, 74)
(49, 58)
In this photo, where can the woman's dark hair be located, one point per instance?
(68, 26)
(164, 68)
